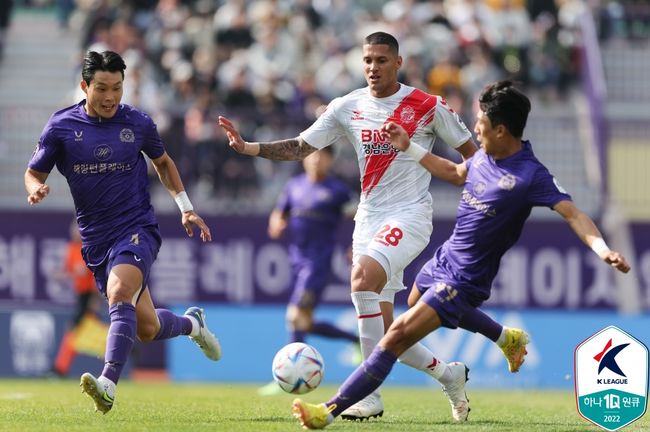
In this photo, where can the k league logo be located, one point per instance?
(611, 378)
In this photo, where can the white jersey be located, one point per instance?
(390, 180)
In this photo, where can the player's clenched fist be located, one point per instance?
(38, 194)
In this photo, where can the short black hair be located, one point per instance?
(107, 61)
(505, 105)
(383, 38)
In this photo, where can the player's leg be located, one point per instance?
(512, 341)
(310, 284)
(158, 324)
(407, 329)
(383, 248)
(122, 289)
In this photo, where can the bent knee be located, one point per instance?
(299, 319)
(148, 332)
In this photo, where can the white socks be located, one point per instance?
(502, 337)
(419, 357)
(371, 330)
(369, 320)
(195, 326)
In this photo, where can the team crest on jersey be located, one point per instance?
(479, 188)
(103, 152)
(507, 182)
(78, 135)
(407, 115)
(127, 135)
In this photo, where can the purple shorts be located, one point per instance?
(138, 248)
(448, 296)
(310, 277)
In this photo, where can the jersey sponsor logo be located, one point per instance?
(418, 107)
(507, 182)
(127, 135)
(78, 135)
(103, 152)
(476, 203)
(357, 115)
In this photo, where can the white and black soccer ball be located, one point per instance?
(298, 368)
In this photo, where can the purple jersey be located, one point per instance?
(497, 198)
(315, 210)
(103, 162)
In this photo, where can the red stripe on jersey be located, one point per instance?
(408, 114)
(369, 316)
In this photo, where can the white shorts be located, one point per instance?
(394, 240)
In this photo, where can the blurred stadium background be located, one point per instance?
(270, 64)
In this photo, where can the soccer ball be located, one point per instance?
(298, 368)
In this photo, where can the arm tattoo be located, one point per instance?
(290, 149)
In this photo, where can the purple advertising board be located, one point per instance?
(549, 268)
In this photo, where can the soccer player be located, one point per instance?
(394, 217)
(310, 208)
(502, 182)
(98, 146)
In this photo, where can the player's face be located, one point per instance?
(380, 67)
(103, 94)
(485, 133)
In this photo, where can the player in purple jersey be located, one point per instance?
(502, 182)
(310, 208)
(98, 146)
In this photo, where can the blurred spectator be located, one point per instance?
(272, 62)
(5, 18)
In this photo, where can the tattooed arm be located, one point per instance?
(289, 149)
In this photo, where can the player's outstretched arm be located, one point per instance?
(35, 185)
(586, 230)
(442, 168)
(171, 179)
(289, 149)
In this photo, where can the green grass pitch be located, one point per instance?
(58, 405)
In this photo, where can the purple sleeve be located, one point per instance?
(47, 151)
(153, 146)
(545, 191)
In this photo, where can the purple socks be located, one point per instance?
(478, 321)
(364, 380)
(172, 325)
(120, 339)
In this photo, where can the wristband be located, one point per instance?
(599, 246)
(416, 152)
(183, 202)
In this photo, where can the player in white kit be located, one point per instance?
(393, 223)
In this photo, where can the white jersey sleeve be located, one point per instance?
(327, 129)
(448, 125)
